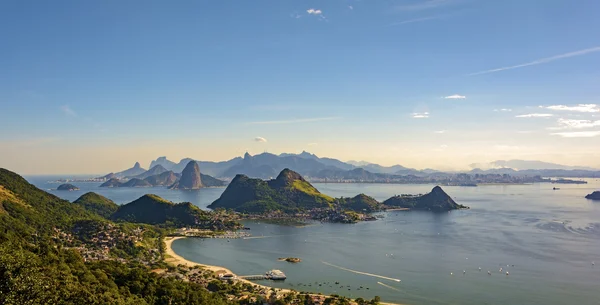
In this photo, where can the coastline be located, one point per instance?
(178, 260)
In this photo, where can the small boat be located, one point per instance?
(555, 188)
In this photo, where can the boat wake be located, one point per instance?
(363, 273)
(388, 286)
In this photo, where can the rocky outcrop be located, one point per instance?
(190, 178)
(437, 200)
(594, 196)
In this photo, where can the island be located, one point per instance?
(67, 187)
(294, 260)
(594, 196)
(290, 196)
(437, 201)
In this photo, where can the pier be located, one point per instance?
(253, 277)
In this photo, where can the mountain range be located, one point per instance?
(267, 166)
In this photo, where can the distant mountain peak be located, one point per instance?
(190, 177)
(247, 156)
(137, 165)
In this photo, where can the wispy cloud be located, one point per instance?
(260, 139)
(503, 110)
(542, 61)
(414, 20)
(420, 115)
(66, 109)
(313, 144)
(577, 108)
(576, 124)
(577, 134)
(440, 131)
(534, 115)
(308, 120)
(351, 7)
(422, 5)
(312, 11)
(455, 97)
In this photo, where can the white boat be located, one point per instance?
(276, 275)
(227, 276)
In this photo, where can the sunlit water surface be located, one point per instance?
(546, 240)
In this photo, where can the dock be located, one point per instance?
(253, 277)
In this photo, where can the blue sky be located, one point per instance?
(93, 86)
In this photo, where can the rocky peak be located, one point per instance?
(287, 177)
(137, 165)
(190, 177)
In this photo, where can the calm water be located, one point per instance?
(551, 238)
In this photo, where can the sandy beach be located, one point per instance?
(175, 259)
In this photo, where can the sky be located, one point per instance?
(94, 86)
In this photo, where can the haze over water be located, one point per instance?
(551, 238)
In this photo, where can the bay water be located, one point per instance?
(545, 239)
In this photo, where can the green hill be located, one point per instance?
(289, 193)
(360, 203)
(98, 204)
(152, 209)
(437, 200)
(209, 181)
(36, 268)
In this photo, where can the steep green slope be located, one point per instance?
(289, 193)
(36, 269)
(98, 204)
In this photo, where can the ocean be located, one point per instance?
(546, 239)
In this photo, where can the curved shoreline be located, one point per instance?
(178, 260)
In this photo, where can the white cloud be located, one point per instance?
(313, 144)
(443, 146)
(312, 11)
(455, 97)
(503, 110)
(350, 7)
(440, 131)
(576, 124)
(577, 134)
(534, 115)
(542, 61)
(420, 115)
(68, 111)
(423, 5)
(414, 20)
(260, 139)
(308, 120)
(578, 108)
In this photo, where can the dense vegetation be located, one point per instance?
(97, 204)
(36, 268)
(437, 200)
(289, 192)
(361, 203)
